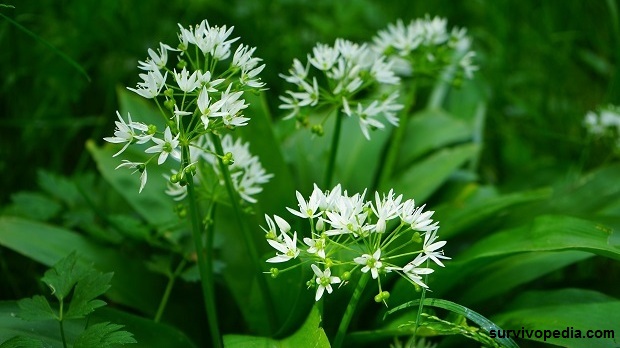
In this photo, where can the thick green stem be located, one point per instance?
(386, 168)
(421, 307)
(247, 236)
(205, 266)
(333, 151)
(171, 280)
(348, 314)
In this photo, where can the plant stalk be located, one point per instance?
(171, 280)
(348, 313)
(205, 266)
(247, 236)
(333, 151)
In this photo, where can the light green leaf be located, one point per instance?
(427, 175)
(83, 302)
(430, 129)
(33, 205)
(103, 335)
(36, 308)
(566, 309)
(309, 335)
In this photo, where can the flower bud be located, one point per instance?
(228, 159)
(274, 272)
(169, 92)
(346, 276)
(152, 129)
(317, 129)
(174, 178)
(416, 238)
(181, 64)
(328, 263)
(169, 104)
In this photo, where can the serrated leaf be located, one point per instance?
(22, 342)
(64, 275)
(36, 308)
(86, 290)
(103, 335)
(33, 205)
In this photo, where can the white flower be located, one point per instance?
(324, 279)
(141, 167)
(152, 83)
(371, 263)
(206, 109)
(187, 83)
(158, 59)
(307, 210)
(316, 246)
(324, 57)
(386, 209)
(165, 147)
(419, 220)
(430, 247)
(287, 248)
(125, 132)
(413, 272)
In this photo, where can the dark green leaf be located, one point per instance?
(59, 187)
(64, 274)
(103, 335)
(36, 308)
(22, 342)
(33, 205)
(83, 302)
(564, 310)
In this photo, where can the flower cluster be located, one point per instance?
(336, 76)
(349, 234)
(425, 47)
(201, 96)
(604, 123)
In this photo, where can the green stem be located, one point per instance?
(421, 307)
(333, 151)
(247, 236)
(60, 321)
(348, 314)
(386, 168)
(204, 265)
(171, 280)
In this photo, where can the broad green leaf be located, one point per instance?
(547, 233)
(146, 332)
(58, 187)
(509, 272)
(86, 291)
(457, 217)
(309, 335)
(566, 310)
(22, 342)
(424, 177)
(430, 129)
(48, 244)
(103, 335)
(64, 275)
(36, 308)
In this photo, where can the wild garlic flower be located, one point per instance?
(378, 236)
(199, 88)
(604, 123)
(338, 76)
(424, 47)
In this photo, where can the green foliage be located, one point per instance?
(103, 335)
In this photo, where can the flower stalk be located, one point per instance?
(348, 314)
(333, 150)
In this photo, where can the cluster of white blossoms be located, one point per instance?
(349, 234)
(604, 123)
(425, 47)
(201, 96)
(336, 76)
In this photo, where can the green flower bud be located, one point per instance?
(152, 129)
(385, 295)
(169, 104)
(346, 276)
(228, 159)
(416, 238)
(378, 298)
(169, 92)
(274, 272)
(174, 178)
(141, 167)
(317, 129)
(328, 263)
(182, 64)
